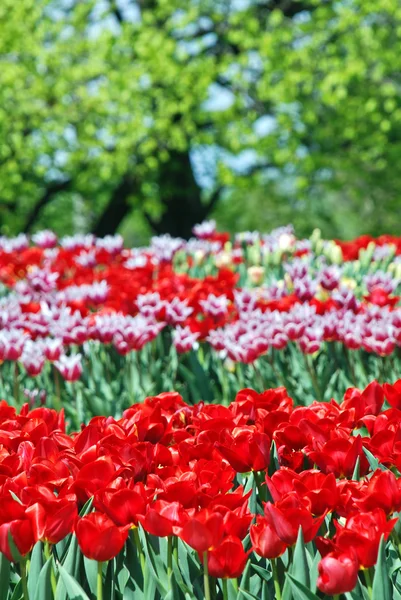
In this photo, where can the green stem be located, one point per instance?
(53, 580)
(16, 384)
(99, 595)
(225, 589)
(139, 549)
(368, 581)
(260, 484)
(312, 373)
(169, 556)
(276, 581)
(57, 398)
(175, 549)
(206, 576)
(24, 581)
(279, 377)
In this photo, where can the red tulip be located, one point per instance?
(98, 537)
(21, 534)
(122, 506)
(363, 532)
(339, 456)
(162, 518)
(246, 450)
(203, 532)
(265, 540)
(383, 490)
(228, 560)
(287, 516)
(53, 521)
(393, 393)
(338, 573)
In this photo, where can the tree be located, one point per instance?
(109, 107)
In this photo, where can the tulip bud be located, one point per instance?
(338, 573)
(336, 255)
(256, 274)
(286, 241)
(224, 259)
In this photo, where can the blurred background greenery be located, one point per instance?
(147, 116)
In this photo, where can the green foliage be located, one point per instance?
(102, 103)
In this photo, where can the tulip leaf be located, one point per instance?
(300, 568)
(35, 568)
(5, 567)
(265, 592)
(188, 567)
(381, 589)
(90, 567)
(245, 579)
(154, 564)
(70, 565)
(74, 590)
(396, 594)
(373, 462)
(247, 595)
(263, 573)
(13, 548)
(299, 590)
(357, 470)
(17, 594)
(43, 582)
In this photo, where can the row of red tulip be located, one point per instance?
(172, 469)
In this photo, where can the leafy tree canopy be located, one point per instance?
(159, 113)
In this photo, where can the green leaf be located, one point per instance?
(382, 587)
(5, 567)
(300, 568)
(43, 583)
(373, 462)
(246, 595)
(357, 469)
(300, 591)
(90, 567)
(74, 590)
(154, 564)
(35, 568)
(263, 573)
(71, 565)
(17, 594)
(13, 548)
(245, 580)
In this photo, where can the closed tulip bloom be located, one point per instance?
(98, 537)
(54, 521)
(204, 531)
(228, 560)
(338, 573)
(265, 540)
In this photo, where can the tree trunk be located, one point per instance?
(180, 196)
(116, 210)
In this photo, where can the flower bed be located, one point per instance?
(283, 493)
(203, 317)
(206, 500)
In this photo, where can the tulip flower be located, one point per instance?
(363, 532)
(203, 532)
(338, 573)
(99, 538)
(53, 521)
(393, 393)
(288, 515)
(265, 540)
(228, 559)
(123, 506)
